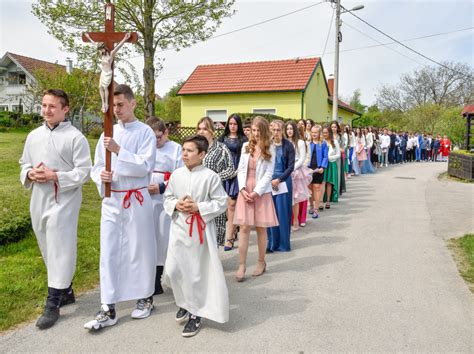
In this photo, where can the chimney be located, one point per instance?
(69, 65)
(331, 85)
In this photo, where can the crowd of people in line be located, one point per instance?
(173, 205)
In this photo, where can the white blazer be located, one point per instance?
(263, 174)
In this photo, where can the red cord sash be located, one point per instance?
(201, 225)
(166, 174)
(126, 200)
(56, 189)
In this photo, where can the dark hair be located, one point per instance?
(200, 141)
(124, 90)
(63, 98)
(338, 130)
(156, 123)
(240, 129)
(296, 134)
(310, 120)
(330, 134)
(248, 124)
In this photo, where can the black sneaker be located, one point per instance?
(67, 297)
(181, 315)
(48, 318)
(192, 327)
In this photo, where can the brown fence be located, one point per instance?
(461, 165)
(178, 133)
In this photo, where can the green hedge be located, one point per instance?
(14, 228)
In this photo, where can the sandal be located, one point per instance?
(328, 206)
(231, 247)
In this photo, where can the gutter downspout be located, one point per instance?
(302, 105)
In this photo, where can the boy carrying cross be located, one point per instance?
(193, 198)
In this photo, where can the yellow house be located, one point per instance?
(295, 88)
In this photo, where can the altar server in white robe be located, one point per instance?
(56, 162)
(168, 159)
(193, 198)
(127, 233)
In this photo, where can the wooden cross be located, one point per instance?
(109, 38)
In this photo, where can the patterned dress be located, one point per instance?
(219, 159)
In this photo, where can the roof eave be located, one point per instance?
(236, 92)
(330, 100)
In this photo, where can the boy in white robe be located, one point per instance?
(193, 198)
(127, 241)
(168, 159)
(56, 162)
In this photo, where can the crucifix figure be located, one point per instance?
(105, 43)
(106, 73)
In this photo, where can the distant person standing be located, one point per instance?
(445, 148)
(436, 148)
(384, 145)
(56, 162)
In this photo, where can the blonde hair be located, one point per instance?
(264, 140)
(209, 124)
(320, 133)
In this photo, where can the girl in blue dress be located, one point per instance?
(279, 236)
(233, 138)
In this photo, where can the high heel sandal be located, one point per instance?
(257, 273)
(229, 248)
(239, 278)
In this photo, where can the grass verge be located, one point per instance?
(463, 251)
(23, 282)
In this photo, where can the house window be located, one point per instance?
(3, 108)
(22, 79)
(17, 108)
(264, 110)
(3, 80)
(217, 115)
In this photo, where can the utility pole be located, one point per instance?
(335, 94)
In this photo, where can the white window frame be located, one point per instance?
(3, 107)
(216, 110)
(264, 109)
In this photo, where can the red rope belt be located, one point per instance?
(166, 174)
(201, 225)
(56, 190)
(126, 200)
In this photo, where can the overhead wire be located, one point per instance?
(329, 32)
(403, 45)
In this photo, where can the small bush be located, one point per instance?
(5, 122)
(14, 229)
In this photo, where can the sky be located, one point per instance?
(302, 34)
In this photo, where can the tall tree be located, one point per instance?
(162, 24)
(449, 85)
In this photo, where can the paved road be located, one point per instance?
(372, 274)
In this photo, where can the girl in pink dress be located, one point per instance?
(254, 207)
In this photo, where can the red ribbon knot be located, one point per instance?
(126, 200)
(201, 225)
(166, 174)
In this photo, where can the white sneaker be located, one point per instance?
(106, 317)
(143, 309)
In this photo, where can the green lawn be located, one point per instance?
(463, 249)
(23, 283)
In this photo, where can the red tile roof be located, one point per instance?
(263, 76)
(31, 64)
(469, 109)
(344, 105)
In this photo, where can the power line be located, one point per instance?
(404, 40)
(403, 45)
(371, 46)
(382, 44)
(329, 31)
(247, 27)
